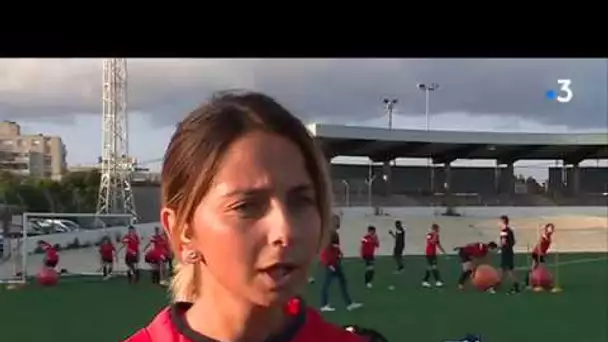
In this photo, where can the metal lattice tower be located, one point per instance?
(115, 193)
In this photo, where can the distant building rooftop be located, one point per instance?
(382, 144)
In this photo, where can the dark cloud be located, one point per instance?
(336, 90)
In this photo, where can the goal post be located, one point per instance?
(74, 235)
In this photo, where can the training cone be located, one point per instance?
(485, 277)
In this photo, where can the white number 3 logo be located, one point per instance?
(565, 94)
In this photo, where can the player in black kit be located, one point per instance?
(507, 254)
(399, 236)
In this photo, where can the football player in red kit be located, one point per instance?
(157, 256)
(51, 256)
(131, 242)
(246, 201)
(433, 243)
(539, 253)
(472, 255)
(369, 245)
(107, 255)
(331, 259)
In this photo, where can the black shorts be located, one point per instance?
(131, 259)
(464, 257)
(152, 260)
(539, 259)
(168, 258)
(369, 260)
(507, 260)
(50, 263)
(431, 260)
(107, 260)
(398, 251)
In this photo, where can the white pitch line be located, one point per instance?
(570, 262)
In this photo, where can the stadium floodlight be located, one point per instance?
(427, 88)
(389, 105)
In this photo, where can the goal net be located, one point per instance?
(75, 236)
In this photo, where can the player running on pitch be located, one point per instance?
(107, 255)
(472, 255)
(131, 241)
(433, 243)
(158, 256)
(541, 249)
(369, 246)
(399, 236)
(51, 256)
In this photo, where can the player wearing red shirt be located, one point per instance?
(432, 245)
(369, 245)
(158, 255)
(51, 256)
(331, 259)
(107, 255)
(541, 249)
(131, 241)
(304, 325)
(471, 255)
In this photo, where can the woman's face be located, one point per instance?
(258, 227)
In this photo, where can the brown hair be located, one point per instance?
(197, 147)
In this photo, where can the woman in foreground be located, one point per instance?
(246, 205)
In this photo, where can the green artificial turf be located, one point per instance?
(96, 311)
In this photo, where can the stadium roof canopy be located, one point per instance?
(382, 144)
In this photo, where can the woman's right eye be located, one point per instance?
(248, 208)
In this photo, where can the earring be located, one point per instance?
(190, 256)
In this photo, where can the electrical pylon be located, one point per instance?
(115, 192)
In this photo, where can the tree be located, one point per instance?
(77, 192)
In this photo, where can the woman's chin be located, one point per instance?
(269, 299)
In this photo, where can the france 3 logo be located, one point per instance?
(564, 94)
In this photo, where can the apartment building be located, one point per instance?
(31, 155)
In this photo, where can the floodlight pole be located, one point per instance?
(427, 88)
(390, 105)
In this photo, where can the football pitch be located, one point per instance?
(96, 311)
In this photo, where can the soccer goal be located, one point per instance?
(74, 235)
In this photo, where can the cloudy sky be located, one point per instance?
(63, 97)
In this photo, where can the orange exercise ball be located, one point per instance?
(47, 277)
(541, 277)
(485, 277)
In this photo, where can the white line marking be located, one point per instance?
(569, 262)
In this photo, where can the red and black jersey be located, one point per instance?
(106, 250)
(306, 325)
(132, 242)
(543, 244)
(369, 245)
(475, 250)
(160, 244)
(331, 255)
(50, 252)
(432, 243)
